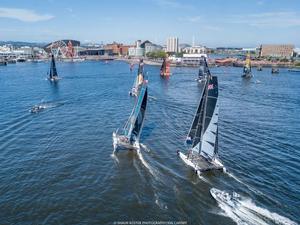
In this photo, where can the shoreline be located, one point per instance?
(226, 62)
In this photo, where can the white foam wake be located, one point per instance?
(115, 158)
(202, 178)
(249, 187)
(145, 147)
(160, 203)
(144, 162)
(245, 212)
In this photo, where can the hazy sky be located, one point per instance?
(213, 22)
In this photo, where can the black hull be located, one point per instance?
(247, 76)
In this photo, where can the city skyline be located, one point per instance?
(212, 23)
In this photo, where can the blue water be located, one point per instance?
(57, 165)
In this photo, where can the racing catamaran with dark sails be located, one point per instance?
(165, 68)
(202, 139)
(247, 68)
(130, 135)
(53, 76)
(138, 80)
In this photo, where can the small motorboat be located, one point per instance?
(37, 108)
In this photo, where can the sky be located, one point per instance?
(213, 23)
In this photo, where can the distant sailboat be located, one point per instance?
(53, 76)
(131, 66)
(203, 70)
(165, 68)
(138, 80)
(274, 70)
(259, 68)
(130, 136)
(203, 136)
(247, 68)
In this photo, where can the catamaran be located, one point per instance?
(274, 70)
(138, 80)
(203, 70)
(165, 68)
(247, 68)
(130, 135)
(259, 68)
(53, 76)
(202, 139)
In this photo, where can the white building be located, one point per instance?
(194, 50)
(150, 47)
(172, 44)
(136, 51)
(192, 59)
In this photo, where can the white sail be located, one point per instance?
(209, 139)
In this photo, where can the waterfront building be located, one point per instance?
(150, 47)
(24, 52)
(117, 48)
(297, 53)
(278, 51)
(172, 44)
(94, 52)
(192, 59)
(194, 50)
(137, 50)
(6, 51)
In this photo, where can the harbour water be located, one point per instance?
(57, 165)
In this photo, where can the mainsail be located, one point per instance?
(247, 67)
(138, 79)
(165, 68)
(203, 134)
(203, 68)
(133, 127)
(53, 72)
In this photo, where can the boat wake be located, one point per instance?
(244, 212)
(113, 156)
(203, 178)
(251, 188)
(45, 105)
(152, 97)
(237, 179)
(145, 163)
(160, 203)
(145, 147)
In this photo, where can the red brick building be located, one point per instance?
(117, 48)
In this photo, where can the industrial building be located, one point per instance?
(277, 51)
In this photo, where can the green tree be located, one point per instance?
(156, 54)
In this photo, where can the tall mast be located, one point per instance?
(204, 112)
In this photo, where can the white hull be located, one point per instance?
(120, 145)
(133, 93)
(188, 162)
(54, 79)
(214, 165)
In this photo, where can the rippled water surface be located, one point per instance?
(57, 165)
